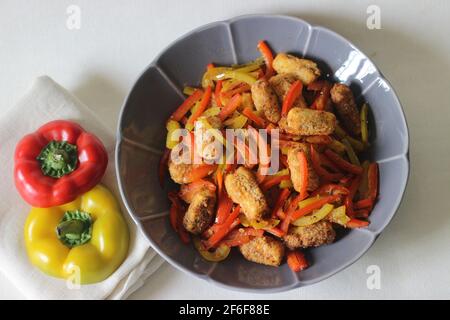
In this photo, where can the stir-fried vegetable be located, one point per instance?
(297, 261)
(364, 129)
(238, 199)
(314, 217)
(294, 92)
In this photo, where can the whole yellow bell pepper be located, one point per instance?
(88, 235)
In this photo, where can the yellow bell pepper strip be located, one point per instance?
(88, 235)
(337, 146)
(210, 112)
(314, 217)
(189, 90)
(356, 144)
(351, 153)
(263, 224)
(219, 254)
(237, 122)
(171, 127)
(338, 216)
(222, 73)
(364, 126)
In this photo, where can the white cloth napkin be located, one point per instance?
(48, 101)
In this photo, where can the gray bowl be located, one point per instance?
(157, 92)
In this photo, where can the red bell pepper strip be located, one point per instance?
(219, 180)
(176, 217)
(241, 236)
(313, 206)
(354, 187)
(187, 191)
(373, 180)
(186, 105)
(268, 57)
(201, 171)
(239, 89)
(203, 104)
(343, 164)
(329, 164)
(223, 229)
(217, 93)
(321, 101)
(303, 168)
(260, 122)
(362, 213)
(349, 198)
(364, 204)
(293, 93)
(356, 223)
(230, 107)
(223, 207)
(273, 181)
(330, 189)
(277, 232)
(315, 85)
(282, 197)
(317, 166)
(57, 163)
(283, 160)
(297, 261)
(319, 139)
(163, 161)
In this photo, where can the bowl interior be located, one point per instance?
(158, 91)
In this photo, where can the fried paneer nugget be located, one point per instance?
(263, 250)
(294, 167)
(303, 69)
(344, 102)
(200, 213)
(314, 235)
(266, 100)
(306, 122)
(243, 189)
(281, 83)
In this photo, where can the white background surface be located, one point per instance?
(117, 39)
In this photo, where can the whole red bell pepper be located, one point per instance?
(57, 163)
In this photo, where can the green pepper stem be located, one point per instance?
(75, 228)
(58, 158)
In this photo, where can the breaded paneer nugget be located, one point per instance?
(294, 167)
(179, 172)
(344, 101)
(265, 100)
(263, 250)
(243, 189)
(314, 235)
(306, 122)
(303, 69)
(200, 213)
(281, 83)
